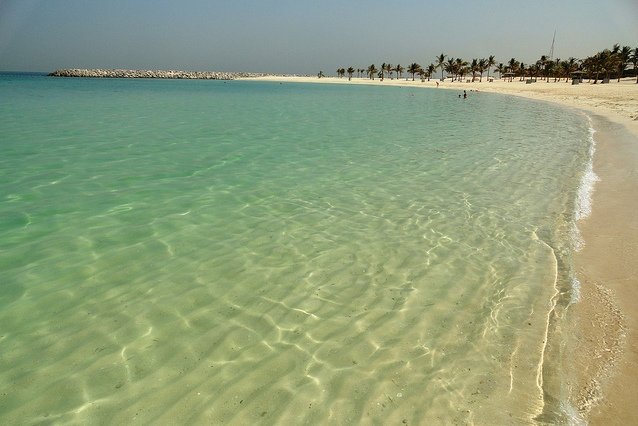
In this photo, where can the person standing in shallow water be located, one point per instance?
(464, 94)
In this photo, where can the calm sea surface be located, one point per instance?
(244, 252)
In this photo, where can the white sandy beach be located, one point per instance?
(604, 353)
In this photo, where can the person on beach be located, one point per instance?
(437, 84)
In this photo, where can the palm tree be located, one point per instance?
(482, 64)
(569, 66)
(596, 64)
(474, 68)
(440, 63)
(389, 69)
(372, 70)
(634, 62)
(586, 66)
(513, 66)
(431, 69)
(549, 69)
(422, 73)
(623, 60)
(542, 64)
(413, 69)
(350, 72)
(605, 61)
(450, 67)
(500, 68)
(531, 71)
(522, 69)
(556, 68)
(565, 70)
(461, 68)
(491, 61)
(382, 70)
(399, 70)
(320, 75)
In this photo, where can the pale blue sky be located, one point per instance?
(299, 36)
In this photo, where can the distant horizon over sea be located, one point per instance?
(248, 252)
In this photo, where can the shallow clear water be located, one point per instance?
(247, 252)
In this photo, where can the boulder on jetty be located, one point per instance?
(119, 73)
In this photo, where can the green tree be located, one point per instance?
(422, 73)
(413, 69)
(350, 72)
(382, 70)
(556, 69)
(634, 62)
(372, 70)
(482, 64)
(513, 66)
(570, 66)
(440, 63)
(474, 68)
(399, 70)
(461, 68)
(431, 69)
(389, 69)
(522, 71)
(450, 68)
(491, 61)
(542, 65)
(604, 62)
(623, 60)
(596, 64)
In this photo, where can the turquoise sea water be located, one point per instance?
(244, 252)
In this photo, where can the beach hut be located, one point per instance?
(577, 77)
(509, 75)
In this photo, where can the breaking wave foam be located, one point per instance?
(585, 189)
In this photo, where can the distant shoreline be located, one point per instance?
(160, 74)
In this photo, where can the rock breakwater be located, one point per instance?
(120, 73)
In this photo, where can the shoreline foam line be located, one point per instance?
(583, 207)
(589, 179)
(553, 303)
